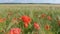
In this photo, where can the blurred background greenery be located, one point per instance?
(34, 11)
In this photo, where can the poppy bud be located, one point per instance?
(36, 26)
(49, 18)
(47, 27)
(25, 25)
(43, 15)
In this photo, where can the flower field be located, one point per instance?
(29, 19)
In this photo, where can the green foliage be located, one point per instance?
(35, 14)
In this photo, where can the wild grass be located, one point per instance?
(35, 13)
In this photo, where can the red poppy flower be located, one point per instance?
(26, 19)
(14, 18)
(47, 27)
(59, 22)
(36, 26)
(25, 25)
(15, 31)
(49, 18)
(2, 19)
(43, 15)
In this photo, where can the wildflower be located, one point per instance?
(36, 26)
(49, 18)
(43, 15)
(25, 25)
(15, 31)
(47, 27)
(26, 19)
(59, 22)
(15, 18)
(2, 19)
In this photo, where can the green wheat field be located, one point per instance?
(29, 19)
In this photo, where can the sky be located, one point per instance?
(29, 1)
